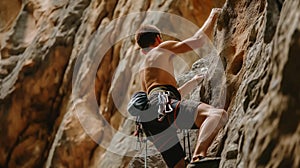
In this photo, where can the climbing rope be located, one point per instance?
(186, 135)
(141, 139)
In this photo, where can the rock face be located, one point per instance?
(67, 69)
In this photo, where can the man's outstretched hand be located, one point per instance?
(198, 78)
(215, 12)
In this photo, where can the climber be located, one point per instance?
(157, 78)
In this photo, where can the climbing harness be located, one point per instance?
(139, 102)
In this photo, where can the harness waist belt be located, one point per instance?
(164, 89)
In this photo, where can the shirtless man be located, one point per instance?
(157, 76)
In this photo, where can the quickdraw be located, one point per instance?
(164, 105)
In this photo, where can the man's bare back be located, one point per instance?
(158, 69)
(160, 58)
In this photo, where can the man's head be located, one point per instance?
(147, 36)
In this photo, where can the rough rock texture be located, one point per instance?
(65, 81)
(263, 130)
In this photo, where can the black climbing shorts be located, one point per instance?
(163, 134)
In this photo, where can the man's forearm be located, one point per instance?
(208, 26)
(186, 88)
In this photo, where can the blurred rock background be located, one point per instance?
(63, 96)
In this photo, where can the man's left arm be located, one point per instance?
(190, 85)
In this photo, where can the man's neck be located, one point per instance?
(146, 50)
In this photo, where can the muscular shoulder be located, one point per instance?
(177, 47)
(168, 43)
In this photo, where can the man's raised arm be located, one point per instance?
(197, 40)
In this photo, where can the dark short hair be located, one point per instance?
(146, 35)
